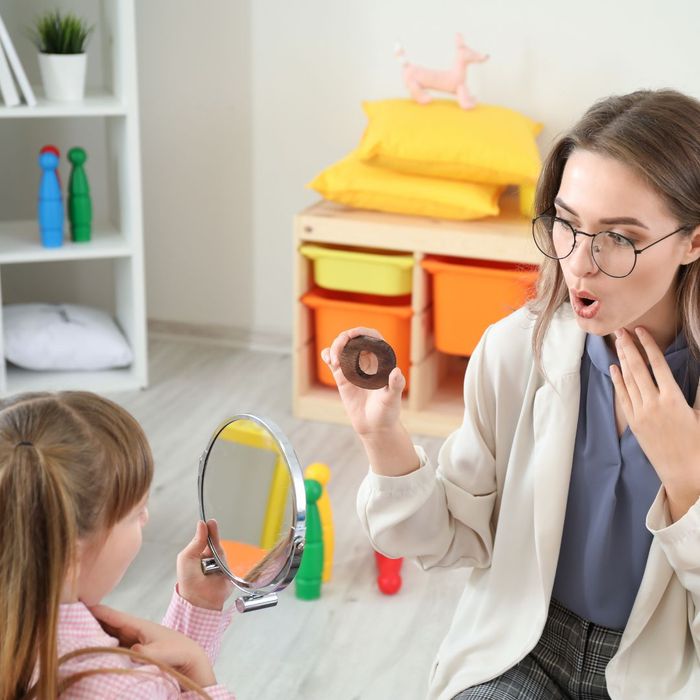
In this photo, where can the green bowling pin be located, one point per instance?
(308, 578)
(79, 204)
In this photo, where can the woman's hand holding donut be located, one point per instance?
(370, 411)
(374, 414)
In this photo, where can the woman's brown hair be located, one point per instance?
(71, 464)
(657, 134)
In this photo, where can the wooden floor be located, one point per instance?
(352, 643)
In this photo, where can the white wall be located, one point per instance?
(244, 101)
(315, 61)
(195, 97)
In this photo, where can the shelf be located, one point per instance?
(506, 237)
(22, 380)
(19, 243)
(97, 103)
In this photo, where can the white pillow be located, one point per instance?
(63, 337)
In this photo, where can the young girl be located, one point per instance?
(571, 489)
(75, 471)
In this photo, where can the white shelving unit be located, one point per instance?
(111, 113)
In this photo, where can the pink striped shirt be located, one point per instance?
(78, 629)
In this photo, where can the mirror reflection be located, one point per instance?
(247, 489)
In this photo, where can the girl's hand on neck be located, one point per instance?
(157, 642)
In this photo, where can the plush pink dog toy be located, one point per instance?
(417, 78)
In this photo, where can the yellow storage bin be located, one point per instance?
(360, 271)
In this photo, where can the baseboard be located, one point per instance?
(216, 334)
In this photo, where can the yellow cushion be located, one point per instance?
(526, 201)
(352, 182)
(487, 144)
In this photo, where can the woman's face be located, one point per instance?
(599, 193)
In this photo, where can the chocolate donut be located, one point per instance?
(350, 361)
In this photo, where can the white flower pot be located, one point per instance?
(63, 76)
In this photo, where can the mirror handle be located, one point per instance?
(249, 603)
(244, 603)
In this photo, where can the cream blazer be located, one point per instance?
(496, 504)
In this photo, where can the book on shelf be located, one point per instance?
(8, 91)
(16, 65)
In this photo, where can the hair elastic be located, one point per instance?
(24, 442)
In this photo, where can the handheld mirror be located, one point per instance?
(251, 483)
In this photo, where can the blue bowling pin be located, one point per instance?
(50, 207)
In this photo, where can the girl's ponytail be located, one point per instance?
(38, 535)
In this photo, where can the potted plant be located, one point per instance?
(61, 39)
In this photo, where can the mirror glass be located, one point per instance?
(252, 485)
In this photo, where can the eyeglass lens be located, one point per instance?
(613, 253)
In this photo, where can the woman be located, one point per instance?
(571, 488)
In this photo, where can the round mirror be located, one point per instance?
(251, 483)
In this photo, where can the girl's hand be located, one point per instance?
(666, 427)
(157, 642)
(212, 591)
(370, 410)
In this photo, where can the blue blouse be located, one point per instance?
(605, 542)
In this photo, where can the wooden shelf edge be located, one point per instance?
(506, 237)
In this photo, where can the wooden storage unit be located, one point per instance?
(434, 404)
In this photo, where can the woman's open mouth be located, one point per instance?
(584, 304)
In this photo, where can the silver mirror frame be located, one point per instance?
(256, 598)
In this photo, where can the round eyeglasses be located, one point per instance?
(614, 254)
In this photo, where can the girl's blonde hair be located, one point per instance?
(71, 464)
(657, 134)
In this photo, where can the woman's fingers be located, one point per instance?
(397, 382)
(659, 366)
(637, 377)
(633, 392)
(621, 391)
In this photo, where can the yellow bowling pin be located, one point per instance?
(321, 472)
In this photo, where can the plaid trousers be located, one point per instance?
(568, 663)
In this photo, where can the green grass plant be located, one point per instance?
(63, 33)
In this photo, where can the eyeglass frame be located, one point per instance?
(592, 236)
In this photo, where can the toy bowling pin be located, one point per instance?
(50, 148)
(50, 206)
(322, 473)
(79, 204)
(388, 574)
(308, 578)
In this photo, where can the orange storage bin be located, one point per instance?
(469, 295)
(337, 311)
